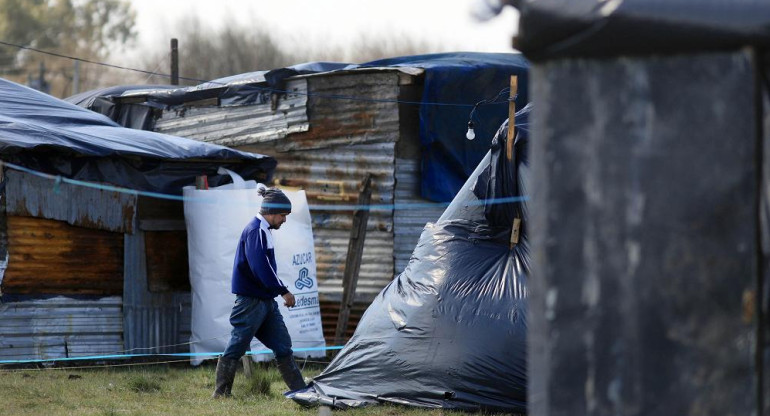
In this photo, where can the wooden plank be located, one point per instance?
(515, 229)
(353, 262)
(511, 118)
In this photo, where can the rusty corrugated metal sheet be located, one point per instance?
(53, 257)
(243, 124)
(60, 327)
(370, 115)
(153, 321)
(346, 139)
(330, 311)
(30, 195)
(412, 211)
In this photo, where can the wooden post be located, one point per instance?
(511, 117)
(248, 366)
(353, 261)
(174, 62)
(516, 227)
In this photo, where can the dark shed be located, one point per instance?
(649, 289)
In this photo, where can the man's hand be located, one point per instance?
(288, 300)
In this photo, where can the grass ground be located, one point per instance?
(157, 390)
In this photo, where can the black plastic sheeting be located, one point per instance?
(46, 134)
(453, 83)
(242, 89)
(134, 116)
(450, 331)
(589, 28)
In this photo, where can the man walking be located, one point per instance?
(255, 283)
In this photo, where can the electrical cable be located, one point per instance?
(266, 89)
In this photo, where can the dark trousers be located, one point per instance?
(254, 317)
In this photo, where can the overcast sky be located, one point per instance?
(336, 22)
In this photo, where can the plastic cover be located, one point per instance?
(450, 331)
(215, 219)
(589, 28)
(451, 79)
(44, 133)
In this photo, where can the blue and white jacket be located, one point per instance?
(254, 271)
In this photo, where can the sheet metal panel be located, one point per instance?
(412, 211)
(333, 177)
(344, 140)
(369, 116)
(30, 195)
(53, 257)
(376, 264)
(235, 126)
(152, 321)
(60, 327)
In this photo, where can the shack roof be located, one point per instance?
(41, 132)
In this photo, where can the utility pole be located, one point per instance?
(174, 62)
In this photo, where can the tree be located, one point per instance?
(86, 29)
(206, 54)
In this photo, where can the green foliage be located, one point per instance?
(206, 53)
(86, 29)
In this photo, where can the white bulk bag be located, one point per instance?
(215, 219)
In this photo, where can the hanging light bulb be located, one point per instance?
(470, 134)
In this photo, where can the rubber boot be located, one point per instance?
(225, 375)
(290, 373)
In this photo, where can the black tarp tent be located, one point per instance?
(43, 133)
(450, 331)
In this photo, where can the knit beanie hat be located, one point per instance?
(274, 202)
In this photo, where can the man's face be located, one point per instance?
(275, 220)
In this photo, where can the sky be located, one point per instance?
(337, 22)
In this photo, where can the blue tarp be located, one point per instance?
(44, 133)
(453, 84)
(462, 78)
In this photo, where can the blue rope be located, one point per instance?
(344, 207)
(181, 354)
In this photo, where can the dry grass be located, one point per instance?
(157, 390)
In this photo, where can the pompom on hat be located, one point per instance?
(274, 202)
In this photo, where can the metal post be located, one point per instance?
(174, 62)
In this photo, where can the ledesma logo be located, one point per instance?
(304, 280)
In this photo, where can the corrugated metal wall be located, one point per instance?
(412, 211)
(346, 139)
(32, 196)
(241, 125)
(63, 241)
(53, 257)
(153, 322)
(60, 327)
